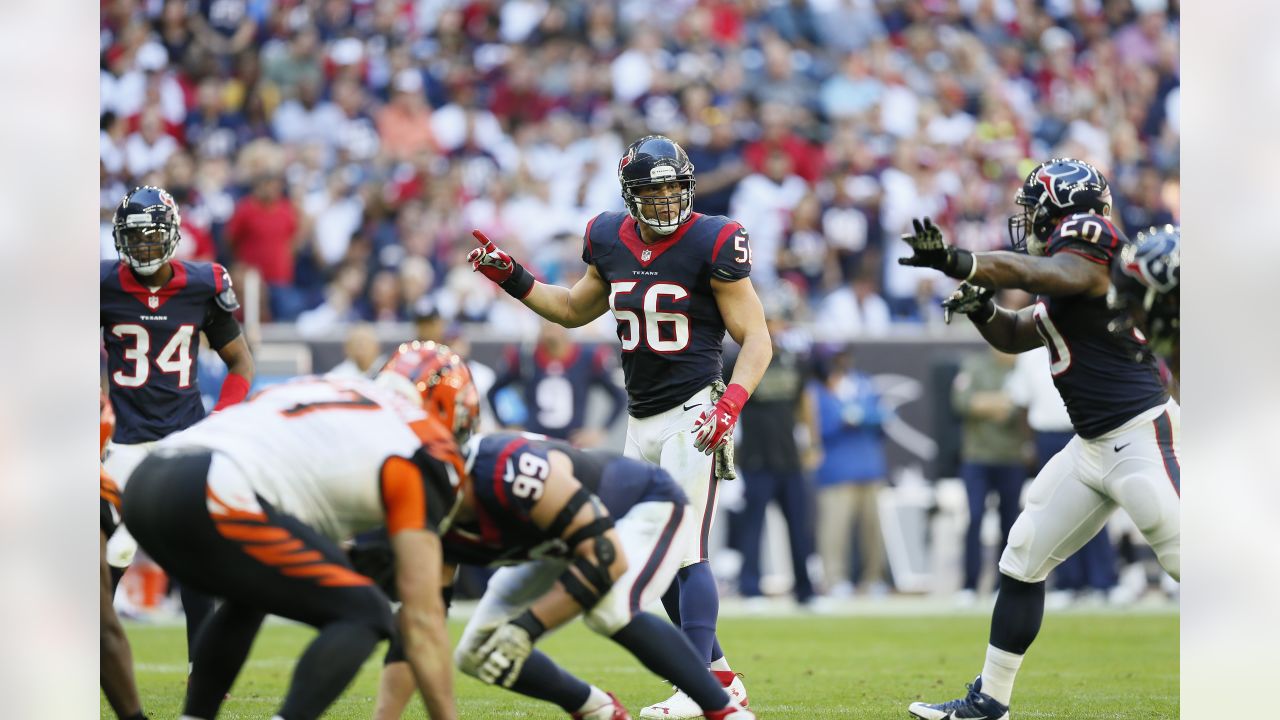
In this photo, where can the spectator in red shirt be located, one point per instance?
(806, 157)
(263, 234)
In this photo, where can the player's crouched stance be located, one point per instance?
(596, 534)
(581, 533)
(115, 655)
(250, 504)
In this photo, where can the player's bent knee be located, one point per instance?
(605, 619)
(1016, 560)
(1141, 500)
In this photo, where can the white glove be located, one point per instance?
(503, 655)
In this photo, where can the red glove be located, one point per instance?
(715, 426)
(499, 267)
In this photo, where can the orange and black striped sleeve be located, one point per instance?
(404, 495)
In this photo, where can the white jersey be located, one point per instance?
(315, 448)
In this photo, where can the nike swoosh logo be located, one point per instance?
(1118, 448)
(690, 407)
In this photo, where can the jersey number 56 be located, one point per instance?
(632, 331)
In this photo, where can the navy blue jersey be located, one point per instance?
(507, 471)
(152, 344)
(1101, 384)
(671, 329)
(555, 390)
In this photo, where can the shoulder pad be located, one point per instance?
(106, 269)
(224, 293)
(1093, 236)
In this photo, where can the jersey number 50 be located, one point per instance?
(175, 357)
(630, 329)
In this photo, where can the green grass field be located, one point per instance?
(1091, 666)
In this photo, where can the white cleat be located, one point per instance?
(677, 707)
(737, 691)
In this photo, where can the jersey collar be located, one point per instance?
(646, 254)
(143, 294)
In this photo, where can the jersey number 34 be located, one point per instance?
(174, 357)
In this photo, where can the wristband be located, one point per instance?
(961, 264)
(528, 622)
(520, 283)
(234, 389)
(995, 309)
(735, 395)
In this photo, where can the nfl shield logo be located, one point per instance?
(153, 302)
(645, 255)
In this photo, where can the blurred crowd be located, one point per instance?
(345, 148)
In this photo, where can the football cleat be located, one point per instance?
(613, 711)
(737, 691)
(677, 707)
(735, 711)
(974, 706)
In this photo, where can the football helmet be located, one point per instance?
(1145, 283)
(146, 227)
(1054, 190)
(439, 379)
(653, 161)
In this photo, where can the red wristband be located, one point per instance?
(234, 389)
(735, 395)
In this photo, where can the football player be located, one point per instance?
(675, 280)
(250, 504)
(114, 652)
(555, 377)
(1145, 285)
(1125, 452)
(579, 533)
(150, 309)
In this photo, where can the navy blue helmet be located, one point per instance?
(146, 227)
(651, 162)
(1054, 190)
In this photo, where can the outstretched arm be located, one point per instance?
(570, 307)
(1065, 273)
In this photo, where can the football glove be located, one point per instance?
(714, 427)
(972, 300)
(499, 267)
(504, 653)
(931, 251)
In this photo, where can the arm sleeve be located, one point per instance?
(220, 327)
(731, 254)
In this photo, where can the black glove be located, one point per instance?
(931, 251)
(972, 300)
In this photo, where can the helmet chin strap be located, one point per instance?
(661, 229)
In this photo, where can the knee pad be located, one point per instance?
(1015, 561)
(1141, 500)
(607, 618)
(464, 656)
